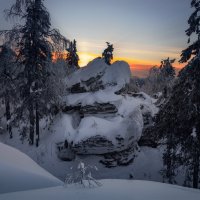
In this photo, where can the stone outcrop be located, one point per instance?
(110, 118)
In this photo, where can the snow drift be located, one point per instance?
(111, 189)
(18, 172)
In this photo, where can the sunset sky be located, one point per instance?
(143, 31)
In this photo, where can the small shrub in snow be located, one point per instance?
(82, 176)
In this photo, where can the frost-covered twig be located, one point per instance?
(82, 176)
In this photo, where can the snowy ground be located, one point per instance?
(18, 172)
(146, 165)
(110, 189)
(22, 178)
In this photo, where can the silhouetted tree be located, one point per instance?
(72, 56)
(108, 53)
(167, 73)
(167, 70)
(35, 42)
(194, 21)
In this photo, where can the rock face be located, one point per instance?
(94, 145)
(110, 118)
(96, 108)
(122, 158)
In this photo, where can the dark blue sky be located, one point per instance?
(143, 31)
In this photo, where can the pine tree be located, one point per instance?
(160, 79)
(34, 54)
(72, 56)
(194, 20)
(34, 42)
(192, 145)
(7, 75)
(178, 121)
(108, 53)
(167, 70)
(167, 75)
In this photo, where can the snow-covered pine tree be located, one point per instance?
(178, 121)
(7, 83)
(72, 56)
(166, 68)
(160, 79)
(108, 53)
(194, 21)
(192, 144)
(55, 83)
(152, 84)
(34, 53)
(34, 42)
(167, 75)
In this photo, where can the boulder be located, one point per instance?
(97, 75)
(110, 118)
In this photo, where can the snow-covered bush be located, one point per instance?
(82, 176)
(160, 79)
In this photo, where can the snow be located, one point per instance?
(146, 165)
(22, 178)
(110, 189)
(64, 129)
(118, 126)
(89, 98)
(117, 74)
(18, 172)
(127, 122)
(93, 68)
(194, 132)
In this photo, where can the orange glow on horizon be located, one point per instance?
(86, 57)
(136, 66)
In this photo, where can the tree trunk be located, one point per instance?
(169, 161)
(169, 165)
(196, 170)
(8, 114)
(37, 125)
(32, 123)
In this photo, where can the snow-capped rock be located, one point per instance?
(98, 75)
(100, 136)
(111, 119)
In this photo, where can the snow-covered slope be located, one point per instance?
(18, 172)
(21, 178)
(110, 190)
